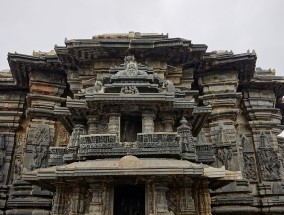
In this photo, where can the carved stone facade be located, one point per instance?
(132, 124)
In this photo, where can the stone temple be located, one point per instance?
(140, 124)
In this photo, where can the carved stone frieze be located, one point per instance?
(18, 168)
(249, 170)
(204, 150)
(62, 137)
(40, 144)
(147, 144)
(129, 90)
(269, 163)
(56, 155)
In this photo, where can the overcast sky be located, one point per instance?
(237, 25)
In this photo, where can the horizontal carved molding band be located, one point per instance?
(158, 139)
(147, 144)
(98, 141)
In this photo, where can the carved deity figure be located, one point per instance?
(40, 144)
(168, 86)
(186, 141)
(74, 140)
(225, 155)
(97, 88)
(131, 68)
(129, 90)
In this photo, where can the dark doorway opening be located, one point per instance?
(130, 125)
(129, 200)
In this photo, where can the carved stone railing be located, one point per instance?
(158, 143)
(205, 153)
(147, 145)
(56, 155)
(106, 145)
(100, 145)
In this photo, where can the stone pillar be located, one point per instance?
(168, 122)
(148, 122)
(160, 200)
(93, 120)
(203, 198)
(80, 195)
(58, 207)
(186, 202)
(114, 123)
(97, 206)
(149, 203)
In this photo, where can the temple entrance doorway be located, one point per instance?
(129, 200)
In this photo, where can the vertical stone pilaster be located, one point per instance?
(149, 192)
(148, 122)
(58, 206)
(100, 203)
(62, 200)
(203, 195)
(264, 119)
(168, 121)
(220, 91)
(92, 123)
(114, 123)
(160, 199)
(186, 202)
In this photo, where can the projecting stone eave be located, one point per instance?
(21, 65)
(173, 50)
(259, 82)
(129, 166)
(243, 64)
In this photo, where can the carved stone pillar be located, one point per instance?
(58, 207)
(92, 123)
(62, 199)
(168, 122)
(149, 192)
(148, 122)
(203, 195)
(79, 198)
(160, 200)
(98, 199)
(114, 123)
(186, 202)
